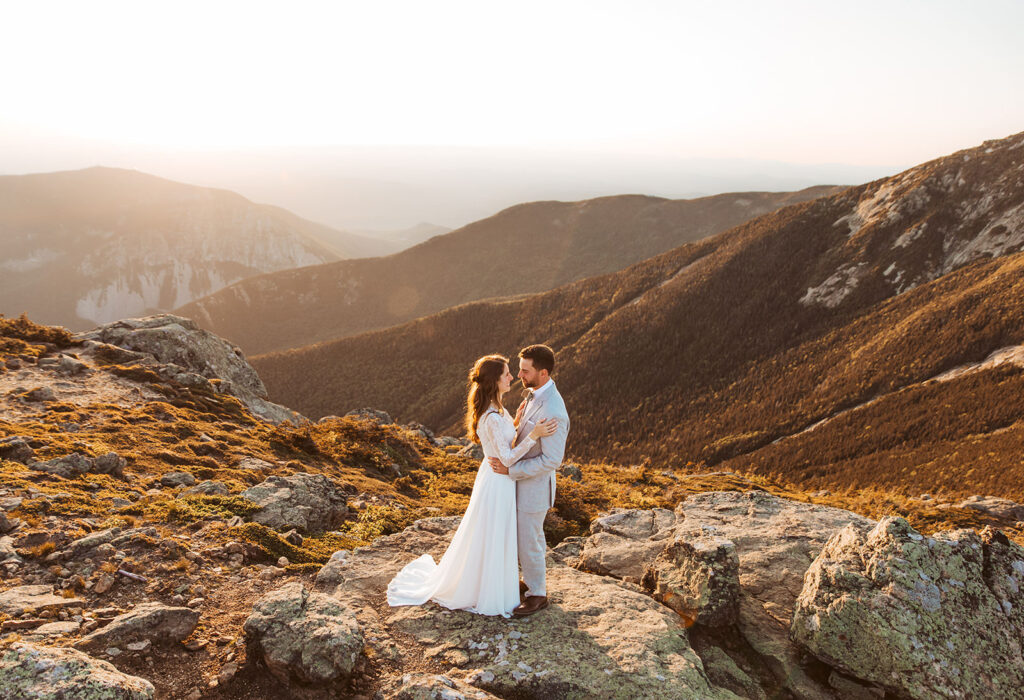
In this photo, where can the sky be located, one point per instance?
(871, 84)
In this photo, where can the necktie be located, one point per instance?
(529, 398)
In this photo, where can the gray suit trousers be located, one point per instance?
(532, 551)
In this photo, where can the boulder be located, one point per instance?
(175, 479)
(308, 502)
(49, 673)
(16, 448)
(921, 617)
(7, 524)
(304, 635)
(208, 488)
(7, 551)
(76, 464)
(33, 599)
(1002, 508)
(68, 466)
(623, 543)
(697, 575)
(40, 393)
(189, 355)
(473, 451)
(83, 546)
(71, 366)
(372, 414)
(147, 621)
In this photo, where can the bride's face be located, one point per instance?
(505, 383)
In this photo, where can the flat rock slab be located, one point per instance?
(152, 621)
(48, 673)
(31, 599)
(599, 638)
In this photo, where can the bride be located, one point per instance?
(479, 571)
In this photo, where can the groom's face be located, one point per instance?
(530, 376)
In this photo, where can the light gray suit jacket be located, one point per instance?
(534, 474)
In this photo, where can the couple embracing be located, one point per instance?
(503, 526)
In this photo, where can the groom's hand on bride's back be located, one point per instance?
(497, 466)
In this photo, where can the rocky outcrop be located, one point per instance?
(599, 638)
(623, 543)
(148, 621)
(178, 349)
(775, 541)
(921, 617)
(309, 502)
(304, 635)
(48, 673)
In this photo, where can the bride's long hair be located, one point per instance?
(483, 390)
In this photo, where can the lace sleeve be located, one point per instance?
(489, 430)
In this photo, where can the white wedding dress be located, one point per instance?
(479, 571)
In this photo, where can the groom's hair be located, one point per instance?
(541, 356)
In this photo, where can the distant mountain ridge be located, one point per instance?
(816, 343)
(88, 246)
(523, 249)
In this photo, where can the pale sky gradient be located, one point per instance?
(860, 83)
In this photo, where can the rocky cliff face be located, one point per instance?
(97, 245)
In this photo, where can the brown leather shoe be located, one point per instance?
(523, 588)
(532, 604)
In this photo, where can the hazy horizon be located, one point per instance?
(385, 115)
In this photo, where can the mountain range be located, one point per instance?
(527, 248)
(89, 246)
(870, 336)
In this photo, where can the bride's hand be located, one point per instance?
(544, 427)
(519, 412)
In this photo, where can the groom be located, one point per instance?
(535, 473)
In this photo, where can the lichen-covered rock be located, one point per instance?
(32, 599)
(923, 617)
(623, 543)
(147, 621)
(186, 353)
(697, 575)
(309, 502)
(428, 686)
(47, 673)
(776, 539)
(304, 635)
